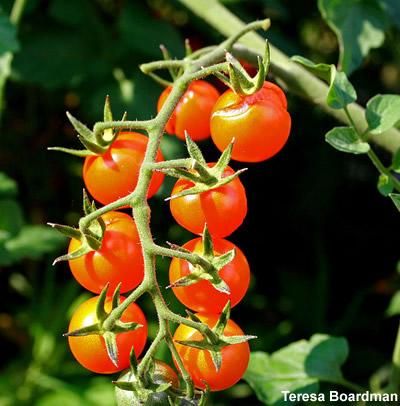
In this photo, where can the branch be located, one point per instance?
(296, 78)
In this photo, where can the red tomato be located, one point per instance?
(118, 260)
(193, 111)
(260, 123)
(223, 208)
(202, 296)
(198, 363)
(115, 173)
(90, 351)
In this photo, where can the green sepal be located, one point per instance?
(80, 252)
(223, 319)
(208, 246)
(108, 134)
(116, 297)
(240, 81)
(91, 146)
(125, 385)
(133, 362)
(179, 173)
(239, 339)
(216, 357)
(192, 316)
(110, 340)
(68, 231)
(101, 313)
(194, 151)
(82, 153)
(93, 329)
(178, 248)
(122, 327)
(224, 159)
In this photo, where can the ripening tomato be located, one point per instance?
(90, 351)
(115, 173)
(202, 296)
(162, 374)
(223, 208)
(235, 357)
(260, 123)
(118, 260)
(193, 111)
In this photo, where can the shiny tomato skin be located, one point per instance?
(198, 363)
(223, 208)
(118, 260)
(163, 373)
(115, 173)
(260, 123)
(192, 112)
(90, 351)
(202, 296)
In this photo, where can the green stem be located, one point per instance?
(372, 155)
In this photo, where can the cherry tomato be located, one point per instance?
(223, 208)
(163, 373)
(90, 351)
(202, 296)
(235, 357)
(260, 123)
(192, 112)
(115, 173)
(118, 260)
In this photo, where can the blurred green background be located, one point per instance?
(321, 241)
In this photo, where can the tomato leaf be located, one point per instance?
(341, 92)
(299, 367)
(395, 199)
(33, 241)
(359, 26)
(345, 139)
(322, 70)
(383, 112)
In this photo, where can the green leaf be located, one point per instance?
(8, 186)
(345, 139)
(394, 305)
(341, 92)
(359, 26)
(8, 35)
(11, 218)
(385, 185)
(299, 368)
(33, 241)
(322, 70)
(383, 112)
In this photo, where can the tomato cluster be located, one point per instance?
(260, 126)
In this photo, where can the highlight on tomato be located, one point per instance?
(223, 209)
(259, 123)
(199, 364)
(90, 350)
(202, 296)
(115, 173)
(118, 260)
(193, 111)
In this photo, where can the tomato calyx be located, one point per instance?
(148, 385)
(209, 267)
(90, 236)
(95, 143)
(109, 333)
(240, 81)
(203, 176)
(214, 339)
